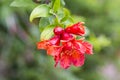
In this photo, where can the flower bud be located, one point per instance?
(77, 29)
(58, 30)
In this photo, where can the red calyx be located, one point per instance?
(58, 30)
(67, 36)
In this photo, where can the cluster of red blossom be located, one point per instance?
(64, 46)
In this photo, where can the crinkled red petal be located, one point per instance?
(54, 50)
(55, 40)
(56, 59)
(77, 59)
(65, 61)
(89, 47)
(67, 46)
(79, 46)
(42, 45)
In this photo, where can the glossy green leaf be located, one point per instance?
(23, 3)
(68, 20)
(40, 11)
(56, 5)
(47, 33)
(60, 14)
(55, 18)
(44, 21)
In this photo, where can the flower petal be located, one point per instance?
(89, 48)
(65, 61)
(67, 46)
(56, 59)
(79, 46)
(54, 50)
(55, 40)
(42, 45)
(77, 59)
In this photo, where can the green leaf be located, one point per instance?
(68, 20)
(40, 11)
(44, 21)
(60, 14)
(47, 33)
(56, 5)
(23, 3)
(55, 18)
(66, 11)
(52, 20)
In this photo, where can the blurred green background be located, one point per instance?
(20, 60)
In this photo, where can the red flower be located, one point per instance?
(64, 47)
(77, 29)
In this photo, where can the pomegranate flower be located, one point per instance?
(64, 47)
